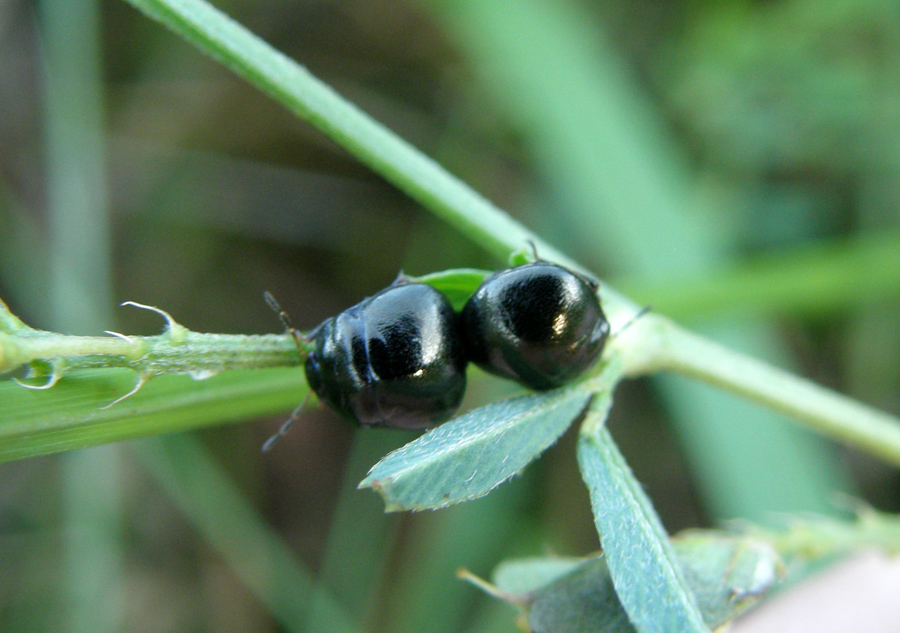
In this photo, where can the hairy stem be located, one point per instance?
(657, 344)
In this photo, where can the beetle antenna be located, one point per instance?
(631, 321)
(284, 318)
(284, 428)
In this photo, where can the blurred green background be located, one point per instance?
(734, 164)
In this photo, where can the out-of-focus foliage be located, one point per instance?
(788, 111)
(796, 103)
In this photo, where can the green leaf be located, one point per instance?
(728, 574)
(457, 284)
(468, 457)
(75, 413)
(582, 601)
(521, 576)
(644, 569)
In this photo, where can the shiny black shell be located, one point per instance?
(539, 324)
(396, 359)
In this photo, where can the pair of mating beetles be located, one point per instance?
(398, 359)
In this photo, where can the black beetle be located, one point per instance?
(539, 324)
(396, 359)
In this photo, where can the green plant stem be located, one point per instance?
(814, 538)
(9, 322)
(410, 170)
(191, 352)
(653, 344)
(660, 345)
(176, 351)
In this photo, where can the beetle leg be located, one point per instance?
(285, 320)
(283, 430)
(630, 322)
